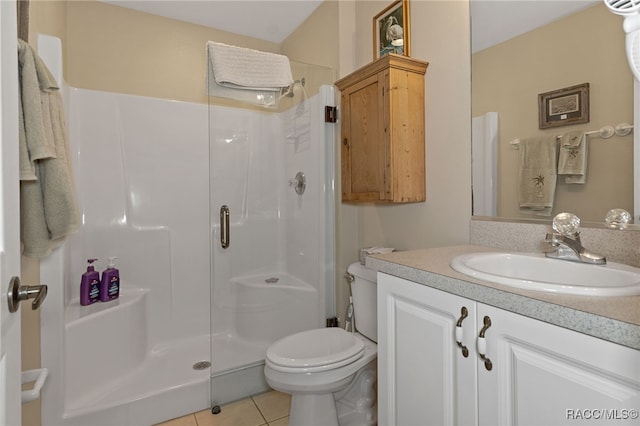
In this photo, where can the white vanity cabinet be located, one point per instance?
(541, 374)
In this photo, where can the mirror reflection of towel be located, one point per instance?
(572, 161)
(537, 175)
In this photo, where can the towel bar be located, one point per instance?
(622, 129)
(39, 376)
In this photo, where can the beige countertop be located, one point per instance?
(616, 319)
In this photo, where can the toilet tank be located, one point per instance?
(364, 292)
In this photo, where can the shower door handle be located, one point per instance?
(224, 227)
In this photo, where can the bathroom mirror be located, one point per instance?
(521, 49)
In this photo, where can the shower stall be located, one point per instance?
(193, 319)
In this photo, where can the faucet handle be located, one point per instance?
(566, 224)
(617, 218)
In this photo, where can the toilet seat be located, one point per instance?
(314, 350)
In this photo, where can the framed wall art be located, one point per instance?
(564, 106)
(391, 30)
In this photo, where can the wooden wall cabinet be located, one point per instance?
(383, 132)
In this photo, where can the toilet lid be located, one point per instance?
(315, 350)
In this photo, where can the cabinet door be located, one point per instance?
(423, 377)
(406, 136)
(363, 147)
(547, 375)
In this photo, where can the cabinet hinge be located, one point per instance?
(330, 114)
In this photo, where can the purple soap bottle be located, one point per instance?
(110, 284)
(90, 285)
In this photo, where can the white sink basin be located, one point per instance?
(537, 272)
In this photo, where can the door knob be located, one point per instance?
(17, 293)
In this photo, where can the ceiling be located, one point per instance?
(271, 20)
(493, 21)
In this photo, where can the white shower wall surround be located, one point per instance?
(142, 171)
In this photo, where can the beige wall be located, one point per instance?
(507, 78)
(315, 41)
(47, 17)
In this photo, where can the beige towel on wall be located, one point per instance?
(572, 160)
(47, 196)
(537, 175)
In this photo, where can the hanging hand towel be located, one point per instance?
(48, 211)
(537, 175)
(242, 68)
(31, 137)
(572, 161)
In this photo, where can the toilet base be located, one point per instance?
(313, 410)
(355, 405)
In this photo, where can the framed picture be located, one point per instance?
(391, 30)
(564, 106)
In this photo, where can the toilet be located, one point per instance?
(330, 372)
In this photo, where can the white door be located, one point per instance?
(10, 405)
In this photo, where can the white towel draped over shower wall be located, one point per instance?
(484, 143)
(246, 74)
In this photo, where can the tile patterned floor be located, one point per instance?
(266, 409)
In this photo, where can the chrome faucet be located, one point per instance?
(566, 244)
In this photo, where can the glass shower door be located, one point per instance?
(272, 246)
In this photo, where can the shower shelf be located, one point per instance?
(75, 312)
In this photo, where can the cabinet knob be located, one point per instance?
(345, 142)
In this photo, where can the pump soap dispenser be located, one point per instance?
(110, 285)
(90, 285)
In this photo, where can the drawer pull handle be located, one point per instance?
(482, 344)
(463, 314)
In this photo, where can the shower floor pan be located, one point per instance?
(166, 374)
(167, 385)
